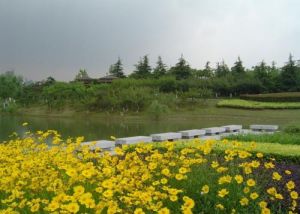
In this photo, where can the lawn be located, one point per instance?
(248, 104)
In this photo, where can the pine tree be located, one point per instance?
(289, 75)
(238, 67)
(142, 69)
(82, 74)
(160, 69)
(222, 69)
(117, 69)
(208, 71)
(182, 69)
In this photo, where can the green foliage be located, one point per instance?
(273, 97)
(10, 85)
(142, 69)
(59, 94)
(157, 109)
(247, 104)
(290, 76)
(117, 69)
(160, 69)
(168, 85)
(181, 70)
(8, 105)
(82, 74)
(292, 129)
(222, 69)
(238, 67)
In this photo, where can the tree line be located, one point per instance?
(159, 87)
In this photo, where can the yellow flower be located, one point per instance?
(290, 185)
(255, 164)
(244, 201)
(54, 205)
(265, 211)
(288, 172)
(239, 179)
(188, 202)
(269, 165)
(272, 191)
(165, 172)
(262, 204)
(183, 170)
(35, 208)
(164, 210)
(246, 190)
(294, 195)
(278, 196)
(276, 176)
(225, 179)
(25, 124)
(205, 189)
(108, 193)
(72, 207)
(220, 207)
(251, 182)
(113, 137)
(163, 180)
(259, 155)
(139, 211)
(254, 195)
(173, 198)
(71, 172)
(214, 164)
(78, 190)
(179, 177)
(223, 192)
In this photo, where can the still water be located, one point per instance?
(96, 128)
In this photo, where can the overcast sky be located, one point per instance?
(41, 38)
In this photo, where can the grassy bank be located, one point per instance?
(281, 137)
(247, 104)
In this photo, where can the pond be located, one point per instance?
(96, 128)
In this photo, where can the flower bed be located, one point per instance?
(146, 178)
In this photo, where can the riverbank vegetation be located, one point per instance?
(158, 88)
(166, 178)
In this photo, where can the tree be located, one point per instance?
(10, 85)
(117, 69)
(289, 75)
(160, 69)
(222, 69)
(182, 69)
(50, 80)
(82, 74)
(238, 67)
(142, 69)
(207, 72)
(261, 72)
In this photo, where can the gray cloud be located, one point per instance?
(57, 37)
